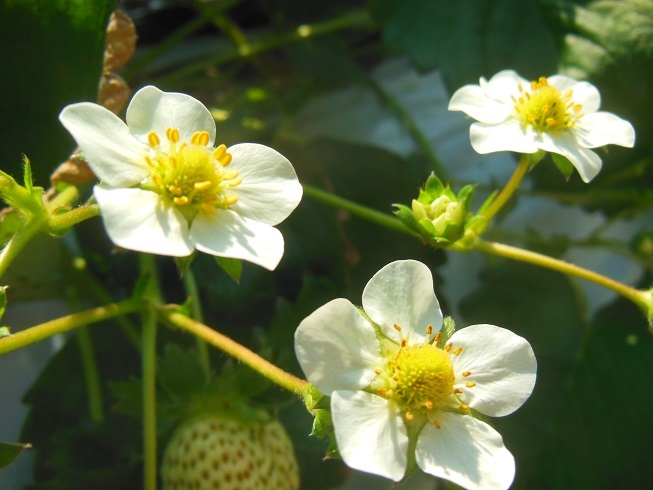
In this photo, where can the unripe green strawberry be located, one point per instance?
(220, 451)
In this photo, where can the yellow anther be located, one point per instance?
(470, 384)
(210, 197)
(180, 201)
(448, 347)
(467, 373)
(436, 423)
(403, 342)
(377, 371)
(230, 174)
(202, 186)
(173, 135)
(207, 208)
(225, 160)
(577, 107)
(428, 405)
(149, 162)
(457, 391)
(429, 330)
(438, 336)
(204, 138)
(397, 327)
(382, 392)
(157, 179)
(464, 407)
(229, 199)
(175, 190)
(409, 416)
(550, 121)
(219, 152)
(235, 182)
(195, 137)
(153, 139)
(457, 351)
(172, 161)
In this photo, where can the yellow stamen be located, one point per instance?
(397, 327)
(202, 186)
(436, 423)
(470, 384)
(235, 182)
(464, 407)
(438, 337)
(457, 351)
(429, 330)
(173, 135)
(230, 199)
(180, 201)
(153, 139)
(448, 347)
(467, 373)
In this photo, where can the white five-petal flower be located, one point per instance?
(556, 114)
(390, 382)
(167, 189)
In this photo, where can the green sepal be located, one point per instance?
(434, 186)
(233, 267)
(27, 175)
(9, 451)
(535, 158)
(183, 263)
(405, 215)
(563, 164)
(465, 196)
(4, 332)
(447, 330)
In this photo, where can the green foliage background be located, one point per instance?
(587, 424)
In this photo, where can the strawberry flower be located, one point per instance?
(556, 114)
(404, 396)
(167, 189)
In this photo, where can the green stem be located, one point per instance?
(148, 364)
(196, 312)
(61, 222)
(358, 18)
(640, 298)
(508, 190)
(91, 375)
(12, 249)
(66, 323)
(149, 398)
(411, 126)
(383, 219)
(234, 349)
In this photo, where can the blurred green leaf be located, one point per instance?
(471, 39)
(180, 372)
(9, 451)
(52, 56)
(576, 430)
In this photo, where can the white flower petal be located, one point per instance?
(337, 348)
(583, 93)
(507, 136)
(371, 435)
(270, 190)
(402, 293)
(472, 100)
(502, 364)
(226, 234)
(604, 128)
(154, 110)
(505, 85)
(465, 451)
(587, 162)
(112, 152)
(139, 220)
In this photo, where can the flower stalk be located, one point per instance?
(69, 322)
(234, 349)
(508, 191)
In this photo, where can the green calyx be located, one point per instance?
(438, 215)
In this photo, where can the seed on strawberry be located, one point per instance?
(214, 451)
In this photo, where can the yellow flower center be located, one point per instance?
(424, 376)
(545, 108)
(191, 175)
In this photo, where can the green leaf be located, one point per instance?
(233, 267)
(563, 164)
(3, 300)
(9, 451)
(180, 372)
(472, 39)
(433, 186)
(58, 61)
